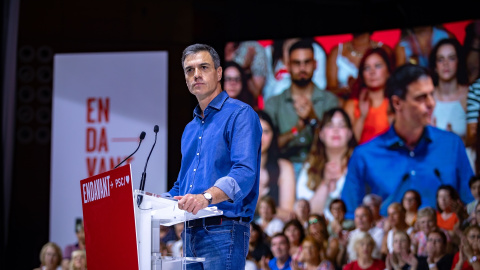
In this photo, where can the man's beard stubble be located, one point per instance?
(302, 82)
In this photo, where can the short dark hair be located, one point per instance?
(302, 44)
(195, 48)
(280, 234)
(298, 225)
(473, 179)
(338, 200)
(401, 78)
(451, 190)
(417, 196)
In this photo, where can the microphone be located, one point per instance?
(438, 175)
(142, 136)
(144, 174)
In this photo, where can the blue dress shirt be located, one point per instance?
(386, 167)
(222, 149)
(273, 264)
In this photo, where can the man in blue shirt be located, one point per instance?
(220, 165)
(411, 154)
(280, 248)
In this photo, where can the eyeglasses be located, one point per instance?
(233, 79)
(313, 221)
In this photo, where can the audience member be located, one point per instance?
(79, 260)
(277, 178)
(281, 258)
(468, 257)
(426, 222)
(317, 228)
(472, 50)
(363, 223)
(415, 44)
(447, 64)
(250, 55)
(401, 257)
(447, 203)
(312, 256)
(343, 62)
(373, 201)
(339, 226)
(408, 153)
(267, 220)
(368, 108)
(235, 83)
(257, 245)
(437, 257)
(80, 245)
(411, 201)
(278, 78)
(322, 177)
(50, 257)
(363, 245)
(474, 184)
(295, 233)
(473, 109)
(176, 247)
(302, 211)
(396, 223)
(297, 110)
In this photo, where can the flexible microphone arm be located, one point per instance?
(142, 136)
(144, 174)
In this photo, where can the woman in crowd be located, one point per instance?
(396, 223)
(401, 256)
(437, 257)
(363, 245)
(339, 226)
(426, 222)
(447, 219)
(368, 107)
(411, 201)
(50, 257)
(257, 245)
(235, 83)
(323, 174)
(373, 202)
(295, 234)
(277, 177)
(466, 257)
(447, 63)
(312, 256)
(344, 60)
(79, 260)
(267, 220)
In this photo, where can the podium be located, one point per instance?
(122, 227)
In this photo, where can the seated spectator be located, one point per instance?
(79, 260)
(363, 223)
(373, 201)
(50, 257)
(344, 60)
(363, 244)
(472, 50)
(447, 197)
(407, 154)
(297, 110)
(396, 222)
(473, 109)
(476, 216)
(469, 252)
(257, 245)
(401, 256)
(80, 245)
(415, 44)
(278, 78)
(267, 220)
(447, 63)
(323, 174)
(427, 222)
(437, 256)
(250, 55)
(281, 258)
(312, 256)
(368, 108)
(302, 211)
(295, 233)
(317, 228)
(339, 226)
(474, 185)
(235, 84)
(277, 178)
(411, 201)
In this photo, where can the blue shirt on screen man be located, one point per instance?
(411, 154)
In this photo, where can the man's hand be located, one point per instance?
(304, 108)
(191, 203)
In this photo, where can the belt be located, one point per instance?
(216, 220)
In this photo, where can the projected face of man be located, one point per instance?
(302, 64)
